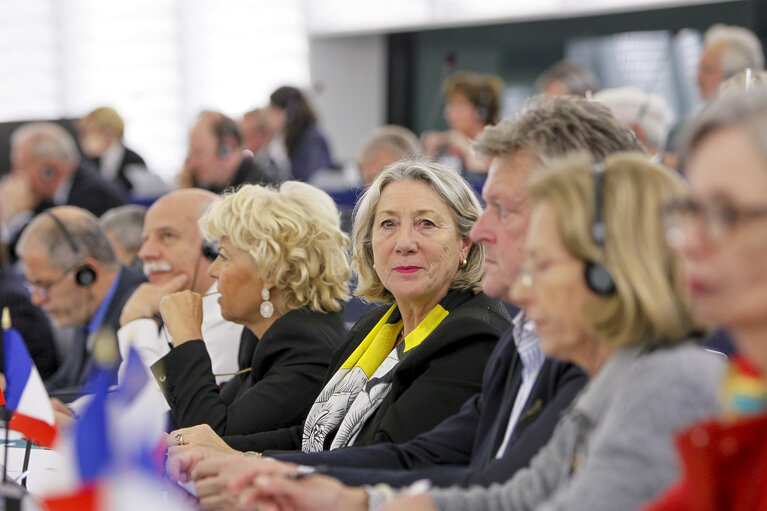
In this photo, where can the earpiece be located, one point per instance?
(597, 276)
(47, 173)
(85, 275)
(210, 250)
(484, 98)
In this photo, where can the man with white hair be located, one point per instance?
(174, 258)
(47, 172)
(647, 115)
(727, 50)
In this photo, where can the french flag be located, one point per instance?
(25, 394)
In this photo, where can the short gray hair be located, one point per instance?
(459, 197)
(632, 105)
(576, 78)
(741, 48)
(747, 109)
(48, 140)
(400, 141)
(552, 126)
(127, 224)
(86, 234)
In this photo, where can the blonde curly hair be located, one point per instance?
(294, 236)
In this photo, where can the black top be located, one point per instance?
(461, 450)
(287, 368)
(89, 191)
(30, 321)
(428, 385)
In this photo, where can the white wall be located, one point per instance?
(348, 76)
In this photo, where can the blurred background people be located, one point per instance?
(292, 119)
(75, 276)
(216, 159)
(256, 135)
(123, 226)
(47, 171)
(102, 142)
(567, 77)
(384, 146)
(282, 273)
(472, 101)
(726, 51)
(647, 115)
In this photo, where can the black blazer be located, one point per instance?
(461, 450)
(288, 365)
(67, 382)
(30, 321)
(89, 191)
(431, 383)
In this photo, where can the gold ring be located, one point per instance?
(179, 439)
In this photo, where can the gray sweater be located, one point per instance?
(613, 449)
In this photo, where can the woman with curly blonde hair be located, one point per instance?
(282, 272)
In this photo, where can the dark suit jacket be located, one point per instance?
(66, 384)
(429, 384)
(461, 450)
(89, 191)
(288, 365)
(121, 181)
(30, 321)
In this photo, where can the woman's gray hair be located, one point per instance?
(457, 194)
(747, 109)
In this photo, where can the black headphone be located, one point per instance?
(85, 275)
(597, 275)
(48, 173)
(484, 102)
(225, 129)
(210, 250)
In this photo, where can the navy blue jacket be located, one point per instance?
(461, 450)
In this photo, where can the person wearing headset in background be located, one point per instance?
(74, 275)
(47, 172)
(174, 259)
(472, 101)
(217, 160)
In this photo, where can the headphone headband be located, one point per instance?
(598, 277)
(85, 275)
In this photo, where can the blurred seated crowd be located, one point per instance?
(590, 333)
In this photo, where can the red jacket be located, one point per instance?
(725, 468)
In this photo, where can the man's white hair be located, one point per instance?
(741, 48)
(631, 105)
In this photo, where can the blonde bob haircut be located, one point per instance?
(294, 237)
(460, 199)
(649, 306)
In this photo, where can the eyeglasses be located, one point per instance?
(44, 289)
(531, 271)
(717, 220)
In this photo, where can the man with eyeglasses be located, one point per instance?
(74, 275)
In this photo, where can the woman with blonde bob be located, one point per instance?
(603, 290)
(282, 272)
(406, 366)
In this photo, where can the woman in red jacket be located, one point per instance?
(720, 233)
